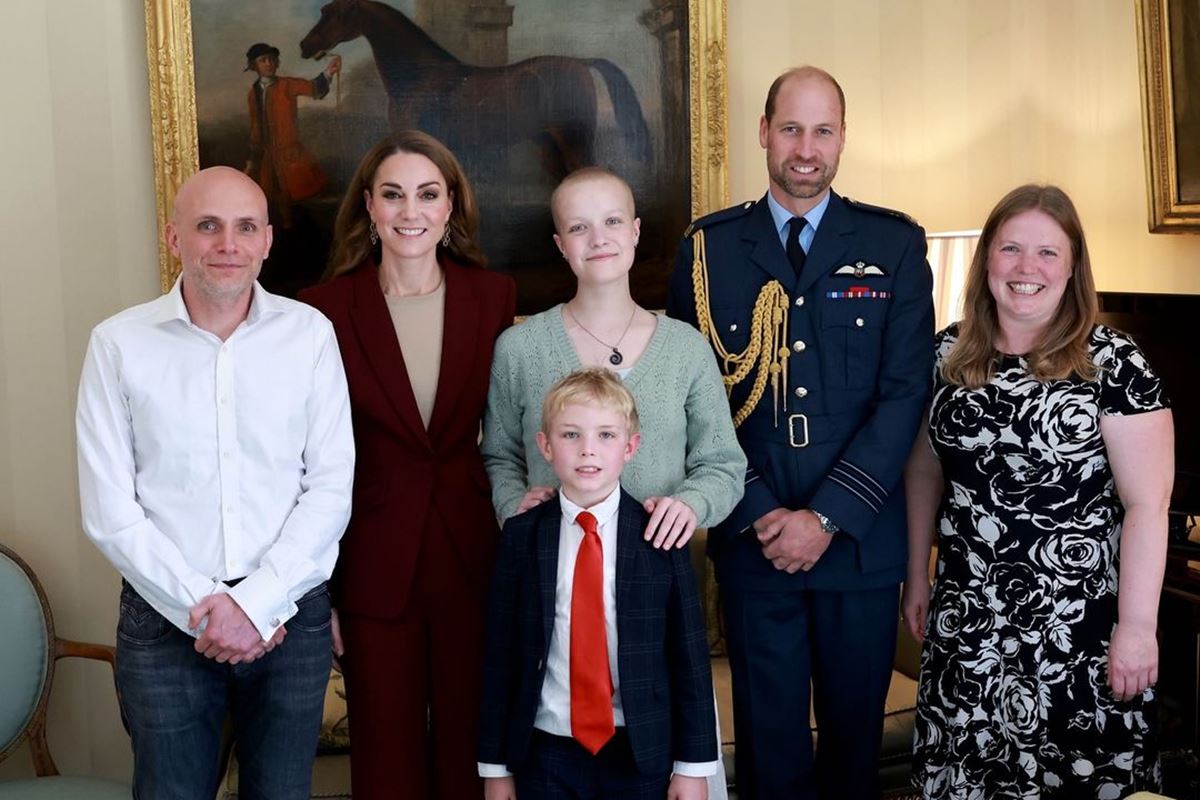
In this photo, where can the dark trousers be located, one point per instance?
(844, 644)
(559, 768)
(174, 702)
(413, 687)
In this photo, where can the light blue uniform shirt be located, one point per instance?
(782, 217)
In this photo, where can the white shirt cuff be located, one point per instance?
(493, 770)
(259, 596)
(690, 769)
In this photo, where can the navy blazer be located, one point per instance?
(859, 373)
(662, 650)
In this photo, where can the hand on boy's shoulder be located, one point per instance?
(535, 496)
(535, 510)
(672, 522)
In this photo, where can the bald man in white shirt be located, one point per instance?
(215, 468)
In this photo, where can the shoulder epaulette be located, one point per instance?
(719, 216)
(890, 212)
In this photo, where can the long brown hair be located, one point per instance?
(351, 231)
(1062, 349)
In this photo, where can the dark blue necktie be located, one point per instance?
(795, 252)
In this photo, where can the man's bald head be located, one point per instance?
(214, 182)
(220, 233)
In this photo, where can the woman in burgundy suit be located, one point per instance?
(416, 316)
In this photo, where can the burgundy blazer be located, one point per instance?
(410, 482)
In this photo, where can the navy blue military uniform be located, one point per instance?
(858, 334)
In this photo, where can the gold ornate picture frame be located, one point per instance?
(175, 122)
(1169, 50)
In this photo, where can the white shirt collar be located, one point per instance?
(262, 303)
(603, 511)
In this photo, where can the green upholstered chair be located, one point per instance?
(26, 672)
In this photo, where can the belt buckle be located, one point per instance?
(792, 418)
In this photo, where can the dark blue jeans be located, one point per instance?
(174, 702)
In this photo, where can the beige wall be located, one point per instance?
(951, 103)
(77, 217)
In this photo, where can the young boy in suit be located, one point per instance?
(597, 681)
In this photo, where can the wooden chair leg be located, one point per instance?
(43, 762)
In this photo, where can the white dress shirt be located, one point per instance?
(554, 706)
(202, 461)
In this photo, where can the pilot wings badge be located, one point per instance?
(859, 269)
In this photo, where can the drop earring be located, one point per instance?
(446, 237)
(374, 234)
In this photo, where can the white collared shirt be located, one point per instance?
(554, 705)
(202, 460)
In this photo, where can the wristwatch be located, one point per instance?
(827, 525)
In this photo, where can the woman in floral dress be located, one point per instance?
(1046, 476)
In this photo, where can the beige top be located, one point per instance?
(419, 320)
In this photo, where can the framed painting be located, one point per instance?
(523, 91)
(1169, 46)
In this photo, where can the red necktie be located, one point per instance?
(591, 681)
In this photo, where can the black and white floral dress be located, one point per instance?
(1013, 700)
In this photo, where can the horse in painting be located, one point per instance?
(549, 100)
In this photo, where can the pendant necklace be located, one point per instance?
(616, 358)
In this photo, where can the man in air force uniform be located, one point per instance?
(819, 309)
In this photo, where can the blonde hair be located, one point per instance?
(583, 174)
(596, 386)
(1062, 349)
(351, 230)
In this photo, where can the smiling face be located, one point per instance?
(597, 230)
(1029, 264)
(410, 206)
(804, 140)
(219, 232)
(587, 444)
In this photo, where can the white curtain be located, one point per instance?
(950, 258)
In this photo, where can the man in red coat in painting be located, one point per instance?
(280, 164)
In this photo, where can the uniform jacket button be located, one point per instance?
(801, 391)
(799, 301)
(798, 346)
(859, 322)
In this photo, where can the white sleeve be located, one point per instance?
(112, 517)
(292, 565)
